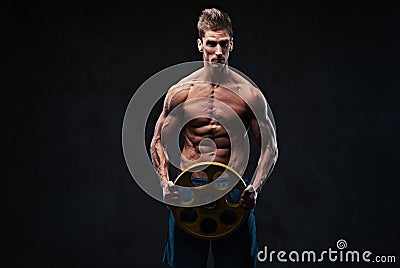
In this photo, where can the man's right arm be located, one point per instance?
(158, 154)
(160, 159)
(166, 128)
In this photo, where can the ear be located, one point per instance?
(231, 45)
(200, 45)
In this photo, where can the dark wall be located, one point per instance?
(328, 70)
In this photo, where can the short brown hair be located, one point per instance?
(214, 20)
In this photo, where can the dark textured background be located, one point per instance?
(329, 71)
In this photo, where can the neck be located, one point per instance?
(215, 73)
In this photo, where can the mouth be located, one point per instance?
(220, 61)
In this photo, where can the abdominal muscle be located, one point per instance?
(207, 141)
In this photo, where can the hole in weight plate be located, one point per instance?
(228, 217)
(208, 225)
(185, 194)
(188, 215)
(233, 196)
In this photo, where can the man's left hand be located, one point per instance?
(248, 198)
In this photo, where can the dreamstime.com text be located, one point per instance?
(331, 255)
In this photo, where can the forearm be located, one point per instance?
(265, 166)
(160, 159)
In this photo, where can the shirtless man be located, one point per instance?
(209, 96)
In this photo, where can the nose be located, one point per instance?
(218, 51)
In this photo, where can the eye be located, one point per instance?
(211, 43)
(224, 43)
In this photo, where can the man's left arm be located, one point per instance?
(265, 136)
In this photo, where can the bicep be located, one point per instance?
(261, 124)
(169, 120)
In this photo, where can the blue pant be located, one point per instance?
(238, 250)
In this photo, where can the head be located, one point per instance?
(215, 40)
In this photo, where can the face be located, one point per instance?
(215, 46)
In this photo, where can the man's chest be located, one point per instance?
(215, 102)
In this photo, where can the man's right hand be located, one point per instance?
(170, 192)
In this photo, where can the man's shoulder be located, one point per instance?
(244, 87)
(176, 95)
(180, 90)
(241, 80)
(185, 83)
(196, 76)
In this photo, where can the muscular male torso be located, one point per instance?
(219, 119)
